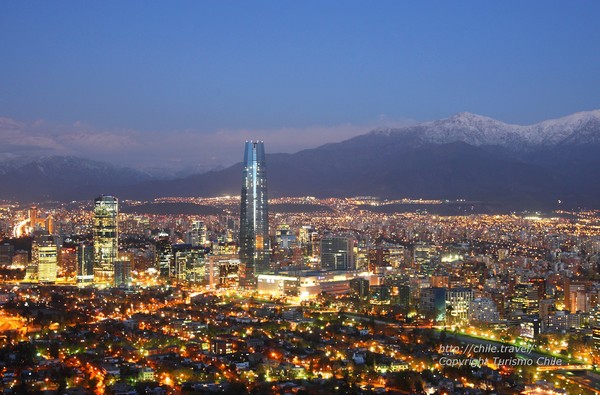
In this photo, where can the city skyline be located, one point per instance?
(349, 284)
(416, 210)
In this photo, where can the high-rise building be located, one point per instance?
(432, 303)
(45, 256)
(37, 222)
(360, 287)
(164, 255)
(85, 263)
(223, 271)
(106, 237)
(188, 263)
(458, 301)
(197, 235)
(284, 236)
(254, 216)
(337, 253)
(577, 295)
(525, 299)
(378, 258)
(67, 261)
(122, 277)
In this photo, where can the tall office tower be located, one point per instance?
(106, 237)
(197, 235)
(85, 264)
(164, 255)
(254, 216)
(45, 255)
(337, 253)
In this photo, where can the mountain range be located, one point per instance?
(465, 156)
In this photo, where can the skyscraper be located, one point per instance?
(197, 235)
(254, 215)
(85, 263)
(44, 254)
(164, 255)
(337, 253)
(106, 237)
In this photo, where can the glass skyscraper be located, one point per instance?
(85, 263)
(337, 253)
(254, 216)
(106, 237)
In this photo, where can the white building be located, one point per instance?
(146, 374)
(458, 301)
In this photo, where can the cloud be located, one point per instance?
(15, 136)
(182, 151)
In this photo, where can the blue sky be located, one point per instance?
(297, 73)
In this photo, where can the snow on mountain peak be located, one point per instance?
(474, 129)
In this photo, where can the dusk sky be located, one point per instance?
(174, 84)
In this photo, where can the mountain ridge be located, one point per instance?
(465, 156)
(481, 130)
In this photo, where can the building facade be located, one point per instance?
(254, 216)
(106, 237)
(337, 253)
(458, 301)
(45, 255)
(85, 264)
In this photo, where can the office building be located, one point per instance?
(223, 271)
(197, 235)
(360, 287)
(525, 299)
(254, 216)
(577, 295)
(6, 253)
(45, 256)
(378, 258)
(122, 275)
(164, 256)
(188, 263)
(337, 253)
(106, 237)
(85, 264)
(458, 301)
(380, 294)
(432, 303)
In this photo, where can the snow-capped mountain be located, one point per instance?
(465, 156)
(576, 129)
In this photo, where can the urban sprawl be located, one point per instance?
(295, 295)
